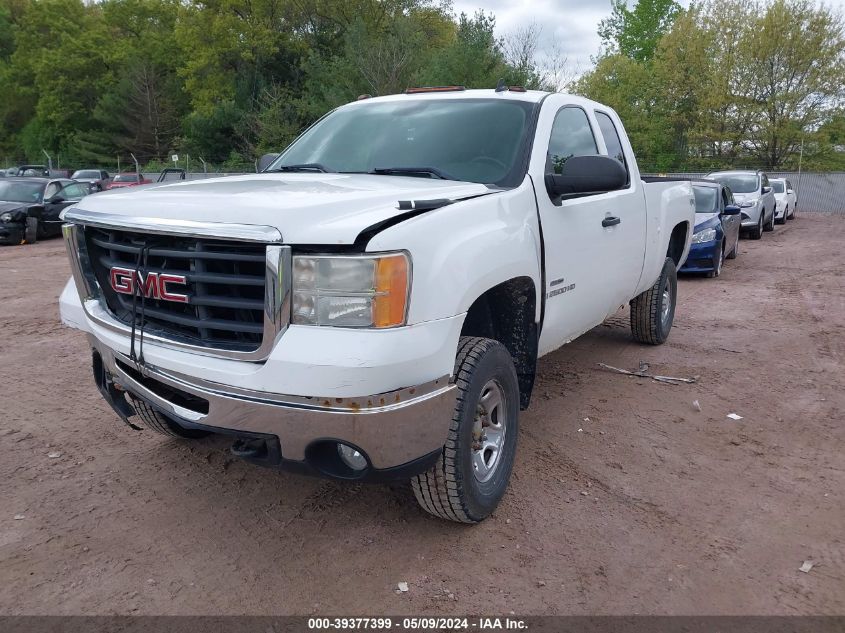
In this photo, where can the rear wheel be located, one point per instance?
(472, 474)
(30, 234)
(653, 312)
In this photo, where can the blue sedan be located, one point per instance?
(717, 226)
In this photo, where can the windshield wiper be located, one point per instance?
(303, 167)
(430, 171)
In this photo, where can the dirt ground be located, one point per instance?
(624, 498)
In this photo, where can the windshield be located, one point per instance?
(474, 140)
(86, 173)
(21, 191)
(777, 185)
(126, 178)
(738, 183)
(705, 199)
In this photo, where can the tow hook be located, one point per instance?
(249, 449)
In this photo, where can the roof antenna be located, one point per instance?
(501, 87)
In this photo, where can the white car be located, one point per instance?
(372, 306)
(786, 199)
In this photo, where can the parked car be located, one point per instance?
(40, 171)
(30, 207)
(753, 193)
(97, 179)
(717, 228)
(785, 198)
(128, 179)
(389, 281)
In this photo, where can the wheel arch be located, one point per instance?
(678, 241)
(507, 313)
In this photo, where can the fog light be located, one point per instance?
(351, 457)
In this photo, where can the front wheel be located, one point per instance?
(472, 474)
(31, 232)
(653, 311)
(770, 225)
(757, 232)
(735, 251)
(717, 268)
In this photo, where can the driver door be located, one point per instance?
(593, 244)
(56, 199)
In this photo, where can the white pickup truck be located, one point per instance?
(373, 304)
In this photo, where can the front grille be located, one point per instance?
(225, 286)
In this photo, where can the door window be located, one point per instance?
(51, 190)
(612, 140)
(75, 191)
(571, 136)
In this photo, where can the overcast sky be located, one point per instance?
(571, 24)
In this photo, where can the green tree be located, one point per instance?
(795, 76)
(636, 32)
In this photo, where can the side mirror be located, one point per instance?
(56, 199)
(587, 174)
(265, 161)
(790, 191)
(766, 189)
(731, 209)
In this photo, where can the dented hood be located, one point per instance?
(306, 208)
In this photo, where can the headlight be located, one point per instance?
(6, 217)
(352, 290)
(748, 203)
(707, 235)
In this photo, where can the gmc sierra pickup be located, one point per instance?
(373, 304)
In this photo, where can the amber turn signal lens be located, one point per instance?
(391, 291)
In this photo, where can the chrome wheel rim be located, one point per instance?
(489, 430)
(667, 303)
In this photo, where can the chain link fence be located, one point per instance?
(817, 192)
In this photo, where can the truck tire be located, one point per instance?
(472, 474)
(30, 233)
(159, 423)
(653, 311)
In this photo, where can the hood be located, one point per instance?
(746, 197)
(705, 221)
(7, 207)
(11, 205)
(305, 208)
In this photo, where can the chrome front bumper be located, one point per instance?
(392, 428)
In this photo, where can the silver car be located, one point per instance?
(753, 193)
(97, 179)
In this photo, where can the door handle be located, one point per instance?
(611, 220)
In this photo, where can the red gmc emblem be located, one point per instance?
(151, 285)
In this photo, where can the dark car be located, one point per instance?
(717, 226)
(30, 207)
(97, 179)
